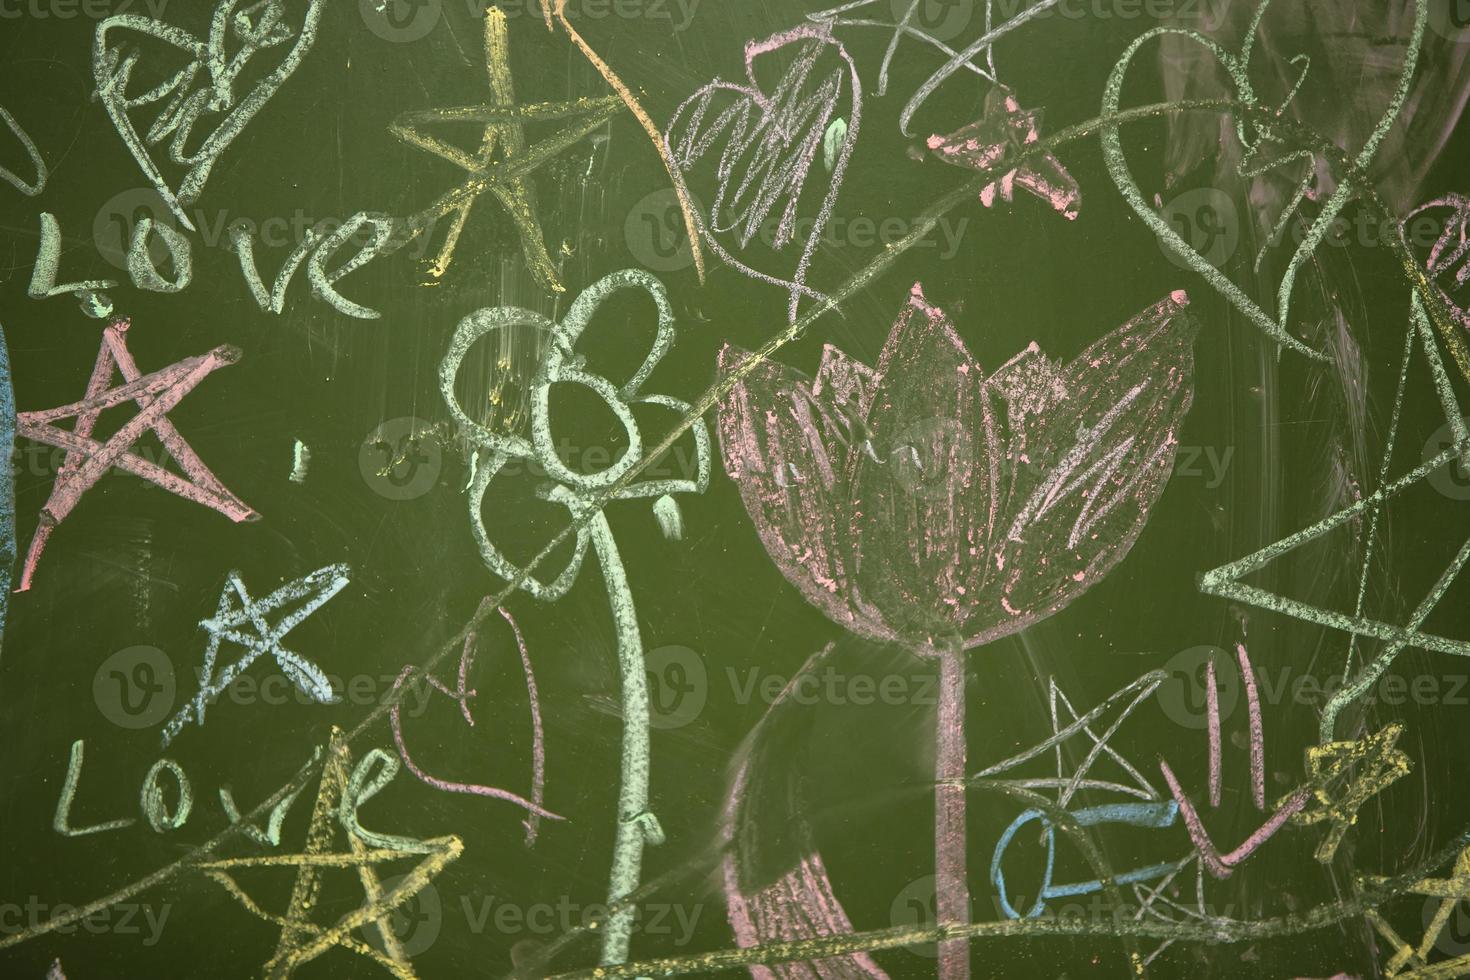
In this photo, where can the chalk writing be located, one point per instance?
(925, 502)
(315, 248)
(144, 271)
(155, 806)
(271, 835)
(48, 262)
(34, 186)
(301, 940)
(61, 823)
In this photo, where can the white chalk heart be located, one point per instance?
(1238, 67)
(205, 85)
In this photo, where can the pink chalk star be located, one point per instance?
(87, 459)
(1004, 129)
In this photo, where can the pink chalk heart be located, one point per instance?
(762, 145)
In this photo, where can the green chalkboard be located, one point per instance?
(929, 488)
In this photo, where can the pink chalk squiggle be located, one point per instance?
(1223, 865)
(462, 694)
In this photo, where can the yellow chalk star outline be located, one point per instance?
(505, 178)
(1378, 765)
(302, 940)
(1451, 892)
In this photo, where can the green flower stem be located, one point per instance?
(636, 825)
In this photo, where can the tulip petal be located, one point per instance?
(787, 450)
(845, 381)
(923, 505)
(1084, 473)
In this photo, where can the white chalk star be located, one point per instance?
(236, 611)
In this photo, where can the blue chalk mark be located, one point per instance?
(1157, 815)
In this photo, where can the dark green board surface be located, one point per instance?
(1273, 443)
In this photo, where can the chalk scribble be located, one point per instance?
(763, 145)
(463, 693)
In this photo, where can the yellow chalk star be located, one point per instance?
(301, 939)
(1451, 892)
(504, 161)
(1369, 766)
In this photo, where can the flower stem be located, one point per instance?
(951, 890)
(636, 825)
